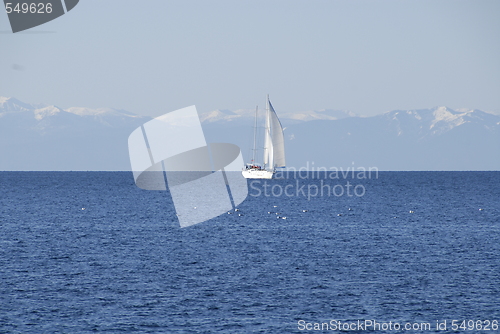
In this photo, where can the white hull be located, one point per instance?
(257, 174)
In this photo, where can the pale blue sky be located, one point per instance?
(151, 57)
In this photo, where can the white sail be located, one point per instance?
(277, 138)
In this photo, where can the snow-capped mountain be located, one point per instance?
(438, 120)
(225, 116)
(246, 116)
(12, 106)
(47, 137)
(314, 115)
(428, 139)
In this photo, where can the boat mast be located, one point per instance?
(271, 144)
(255, 136)
(267, 137)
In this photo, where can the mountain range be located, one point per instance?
(46, 137)
(246, 116)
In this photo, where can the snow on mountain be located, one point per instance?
(10, 104)
(446, 119)
(99, 111)
(437, 120)
(314, 115)
(105, 116)
(426, 139)
(219, 115)
(41, 113)
(46, 137)
(108, 116)
(246, 116)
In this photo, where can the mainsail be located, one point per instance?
(278, 139)
(274, 145)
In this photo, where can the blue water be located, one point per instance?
(123, 265)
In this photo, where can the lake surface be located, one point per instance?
(86, 252)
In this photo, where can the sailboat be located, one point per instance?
(274, 147)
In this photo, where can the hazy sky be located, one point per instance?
(151, 57)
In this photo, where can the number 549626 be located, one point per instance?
(38, 8)
(474, 325)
